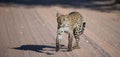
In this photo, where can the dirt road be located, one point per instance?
(31, 32)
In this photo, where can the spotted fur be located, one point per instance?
(72, 24)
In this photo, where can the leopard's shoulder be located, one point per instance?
(75, 17)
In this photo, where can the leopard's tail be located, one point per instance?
(82, 28)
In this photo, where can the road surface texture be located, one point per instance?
(28, 29)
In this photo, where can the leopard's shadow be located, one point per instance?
(37, 48)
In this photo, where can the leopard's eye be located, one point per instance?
(63, 19)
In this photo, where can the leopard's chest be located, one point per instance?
(68, 26)
(66, 29)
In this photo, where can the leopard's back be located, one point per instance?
(75, 19)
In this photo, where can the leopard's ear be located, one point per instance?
(58, 14)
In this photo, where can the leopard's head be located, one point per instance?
(61, 19)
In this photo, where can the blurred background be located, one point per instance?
(28, 28)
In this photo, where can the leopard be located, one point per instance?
(72, 24)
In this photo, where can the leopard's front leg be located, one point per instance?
(59, 38)
(70, 40)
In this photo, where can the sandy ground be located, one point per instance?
(31, 31)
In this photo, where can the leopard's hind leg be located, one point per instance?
(79, 30)
(77, 39)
